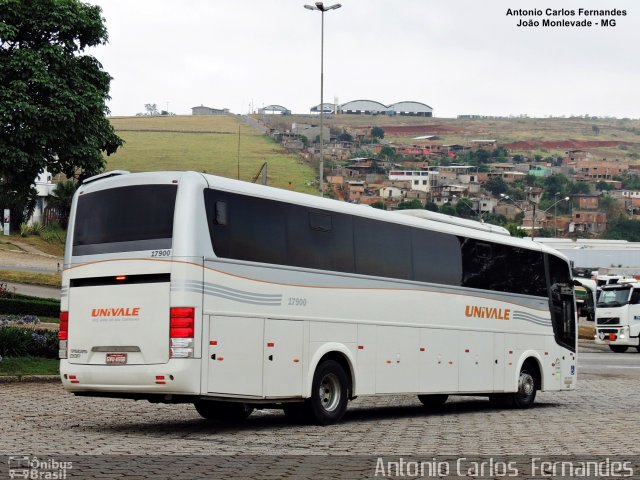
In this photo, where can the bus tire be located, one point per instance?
(618, 348)
(329, 394)
(223, 411)
(527, 388)
(433, 401)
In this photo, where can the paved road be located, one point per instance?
(29, 262)
(34, 290)
(600, 360)
(42, 419)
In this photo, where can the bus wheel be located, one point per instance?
(329, 394)
(222, 411)
(527, 388)
(433, 401)
(618, 348)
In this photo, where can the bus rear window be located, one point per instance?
(124, 219)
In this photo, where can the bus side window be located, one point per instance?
(320, 222)
(635, 297)
(221, 213)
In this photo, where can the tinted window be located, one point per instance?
(436, 257)
(562, 311)
(124, 219)
(246, 228)
(382, 249)
(319, 239)
(493, 266)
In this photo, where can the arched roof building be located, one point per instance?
(372, 107)
(275, 109)
(412, 108)
(367, 107)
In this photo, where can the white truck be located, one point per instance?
(618, 316)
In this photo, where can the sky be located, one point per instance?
(457, 56)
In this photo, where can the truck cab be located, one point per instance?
(618, 316)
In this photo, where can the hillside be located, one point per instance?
(205, 144)
(611, 138)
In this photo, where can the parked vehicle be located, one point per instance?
(186, 287)
(618, 316)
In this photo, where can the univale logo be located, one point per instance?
(116, 312)
(487, 312)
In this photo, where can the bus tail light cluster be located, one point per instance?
(63, 334)
(181, 328)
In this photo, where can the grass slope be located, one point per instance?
(18, 366)
(205, 144)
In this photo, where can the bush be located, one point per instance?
(18, 341)
(53, 233)
(20, 306)
(36, 228)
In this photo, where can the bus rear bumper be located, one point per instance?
(178, 376)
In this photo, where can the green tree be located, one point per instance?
(52, 96)
(448, 209)
(387, 152)
(556, 184)
(623, 229)
(579, 188)
(377, 132)
(610, 206)
(464, 209)
(516, 231)
(603, 186)
(379, 204)
(545, 233)
(410, 205)
(345, 137)
(482, 155)
(60, 200)
(495, 219)
(431, 206)
(496, 185)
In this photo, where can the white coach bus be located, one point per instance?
(186, 287)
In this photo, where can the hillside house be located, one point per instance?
(354, 190)
(586, 202)
(592, 222)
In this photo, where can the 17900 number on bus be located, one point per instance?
(297, 302)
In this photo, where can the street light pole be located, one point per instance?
(555, 215)
(321, 8)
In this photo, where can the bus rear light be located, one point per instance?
(181, 332)
(63, 334)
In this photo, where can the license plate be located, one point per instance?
(116, 358)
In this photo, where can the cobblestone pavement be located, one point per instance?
(110, 438)
(43, 419)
